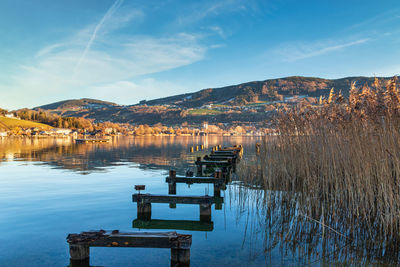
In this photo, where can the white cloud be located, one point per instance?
(301, 50)
(202, 10)
(218, 30)
(97, 57)
(127, 92)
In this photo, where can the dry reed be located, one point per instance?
(334, 171)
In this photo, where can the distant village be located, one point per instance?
(115, 129)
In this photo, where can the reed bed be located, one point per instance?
(331, 177)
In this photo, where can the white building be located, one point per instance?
(61, 131)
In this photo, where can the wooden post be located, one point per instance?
(172, 188)
(217, 190)
(205, 212)
(219, 147)
(172, 184)
(218, 206)
(144, 211)
(217, 186)
(202, 147)
(199, 167)
(197, 148)
(180, 257)
(79, 255)
(191, 149)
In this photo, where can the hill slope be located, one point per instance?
(9, 123)
(252, 102)
(268, 90)
(77, 104)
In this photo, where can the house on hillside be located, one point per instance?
(9, 115)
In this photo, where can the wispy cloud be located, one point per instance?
(202, 10)
(218, 30)
(300, 50)
(106, 16)
(109, 60)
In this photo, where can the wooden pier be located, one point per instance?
(79, 244)
(218, 181)
(222, 161)
(212, 165)
(144, 202)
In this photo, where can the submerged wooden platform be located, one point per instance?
(79, 244)
(186, 225)
(148, 198)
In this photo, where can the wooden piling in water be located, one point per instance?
(217, 187)
(172, 183)
(205, 212)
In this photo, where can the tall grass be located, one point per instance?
(334, 171)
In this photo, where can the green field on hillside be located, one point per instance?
(10, 123)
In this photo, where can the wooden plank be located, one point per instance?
(194, 180)
(174, 224)
(214, 162)
(221, 158)
(103, 238)
(228, 153)
(226, 157)
(148, 198)
(230, 149)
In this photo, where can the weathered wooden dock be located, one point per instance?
(218, 181)
(79, 244)
(212, 165)
(144, 202)
(186, 225)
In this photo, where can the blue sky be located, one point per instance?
(128, 50)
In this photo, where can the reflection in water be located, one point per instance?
(283, 228)
(159, 153)
(187, 225)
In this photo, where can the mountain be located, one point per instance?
(268, 90)
(77, 104)
(247, 103)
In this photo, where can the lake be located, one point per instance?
(52, 187)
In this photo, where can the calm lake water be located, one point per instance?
(52, 187)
